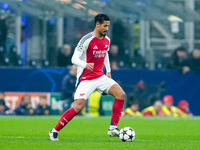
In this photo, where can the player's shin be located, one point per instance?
(118, 105)
(116, 112)
(66, 117)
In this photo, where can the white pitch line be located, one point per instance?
(17, 137)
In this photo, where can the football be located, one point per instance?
(127, 134)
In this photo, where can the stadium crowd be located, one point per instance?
(120, 56)
(25, 106)
(94, 107)
(161, 108)
(179, 60)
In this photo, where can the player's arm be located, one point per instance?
(77, 61)
(107, 65)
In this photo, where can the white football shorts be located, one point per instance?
(85, 88)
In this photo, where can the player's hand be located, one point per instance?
(90, 66)
(108, 74)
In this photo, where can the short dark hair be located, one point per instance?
(101, 18)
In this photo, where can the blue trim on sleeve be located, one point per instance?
(86, 37)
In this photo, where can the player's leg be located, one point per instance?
(117, 109)
(109, 86)
(66, 117)
(70, 113)
(83, 91)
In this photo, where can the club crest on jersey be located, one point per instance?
(106, 46)
(95, 47)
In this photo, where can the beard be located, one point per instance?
(103, 34)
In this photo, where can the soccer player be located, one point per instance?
(90, 55)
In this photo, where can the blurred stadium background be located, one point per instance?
(153, 28)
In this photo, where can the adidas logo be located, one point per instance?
(95, 47)
(65, 120)
(62, 123)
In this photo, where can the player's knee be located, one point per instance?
(78, 108)
(121, 95)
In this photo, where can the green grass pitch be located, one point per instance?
(91, 133)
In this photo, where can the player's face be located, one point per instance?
(103, 28)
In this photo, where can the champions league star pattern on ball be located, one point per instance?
(127, 134)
